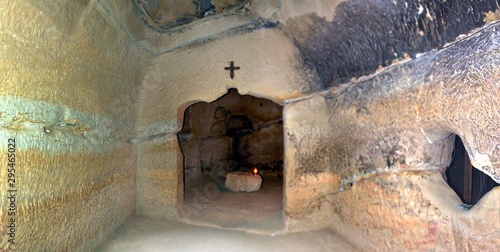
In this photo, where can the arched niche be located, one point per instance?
(233, 133)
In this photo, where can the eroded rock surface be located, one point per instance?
(376, 138)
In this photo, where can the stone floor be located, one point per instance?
(142, 234)
(225, 221)
(257, 212)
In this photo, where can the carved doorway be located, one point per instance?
(235, 133)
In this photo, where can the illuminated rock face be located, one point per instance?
(67, 97)
(382, 143)
(95, 99)
(243, 182)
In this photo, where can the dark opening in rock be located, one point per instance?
(233, 135)
(469, 183)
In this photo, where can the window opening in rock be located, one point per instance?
(224, 141)
(469, 183)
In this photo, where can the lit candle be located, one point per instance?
(255, 171)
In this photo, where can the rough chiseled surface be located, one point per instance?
(401, 119)
(406, 114)
(158, 178)
(168, 89)
(403, 211)
(359, 130)
(94, 99)
(67, 97)
(366, 35)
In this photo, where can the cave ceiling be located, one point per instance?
(166, 14)
(337, 40)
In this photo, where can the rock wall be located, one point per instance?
(93, 99)
(195, 72)
(366, 35)
(374, 151)
(67, 91)
(361, 156)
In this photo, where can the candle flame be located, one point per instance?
(255, 171)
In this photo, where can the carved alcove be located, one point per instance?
(234, 133)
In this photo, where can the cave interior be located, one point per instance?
(223, 125)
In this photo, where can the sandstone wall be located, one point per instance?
(375, 154)
(351, 136)
(67, 92)
(175, 80)
(95, 119)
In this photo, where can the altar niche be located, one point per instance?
(235, 133)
